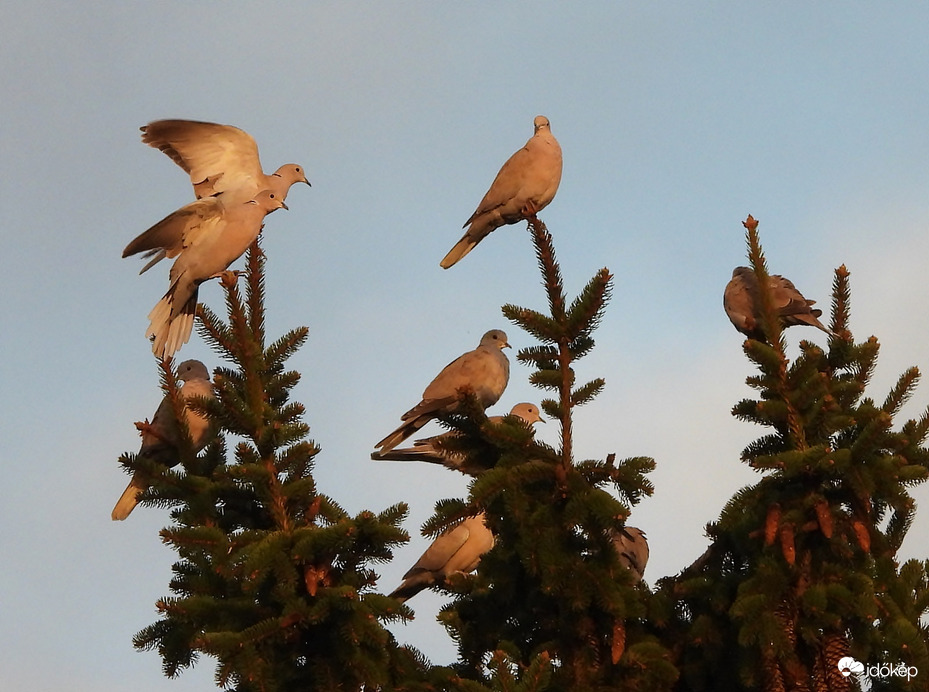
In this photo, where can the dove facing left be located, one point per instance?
(742, 302)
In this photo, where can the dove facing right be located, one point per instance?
(458, 550)
(161, 438)
(524, 186)
(742, 302)
(215, 232)
(484, 372)
(429, 451)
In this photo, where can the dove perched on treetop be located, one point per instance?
(222, 162)
(525, 185)
(484, 371)
(427, 450)
(632, 548)
(742, 301)
(161, 437)
(458, 550)
(215, 233)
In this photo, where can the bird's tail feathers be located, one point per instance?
(408, 454)
(413, 585)
(462, 248)
(401, 433)
(170, 331)
(128, 500)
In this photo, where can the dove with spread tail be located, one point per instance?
(160, 439)
(458, 550)
(430, 451)
(525, 185)
(742, 302)
(215, 233)
(484, 372)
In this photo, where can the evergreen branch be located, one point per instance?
(543, 357)
(255, 290)
(543, 328)
(841, 301)
(587, 309)
(902, 391)
(772, 328)
(587, 392)
(545, 252)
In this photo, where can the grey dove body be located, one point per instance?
(222, 162)
(429, 450)
(524, 186)
(484, 371)
(458, 550)
(162, 444)
(632, 548)
(742, 302)
(214, 236)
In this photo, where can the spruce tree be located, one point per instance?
(273, 579)
(552, 592)
(802, 569)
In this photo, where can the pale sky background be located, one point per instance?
(676, 120)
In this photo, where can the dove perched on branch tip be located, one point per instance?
(429, 451)
(215, 233)
(484, 372)
(458, 550)
(632, 548)
(525, 185)
(161, 437)
(222, 162)
(742, 302)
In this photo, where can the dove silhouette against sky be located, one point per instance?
(458, 550)
(215, 232)
(427, 450)
(222, 161)
(525, 185)
(632, 547)
(484, 372)
(742, 301)
(162, 437)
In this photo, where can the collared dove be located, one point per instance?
(222, 162)
(742, 301)
(160, 440)
(458, 550)
(484, 372)
(632, 548)
(426, 449)
(219, 158)
(214, 235)
(525, 185)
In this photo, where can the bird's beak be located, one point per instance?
(541, 420)
(507, 345)
(284, 206)
(307, 182)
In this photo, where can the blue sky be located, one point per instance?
(677, 120)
